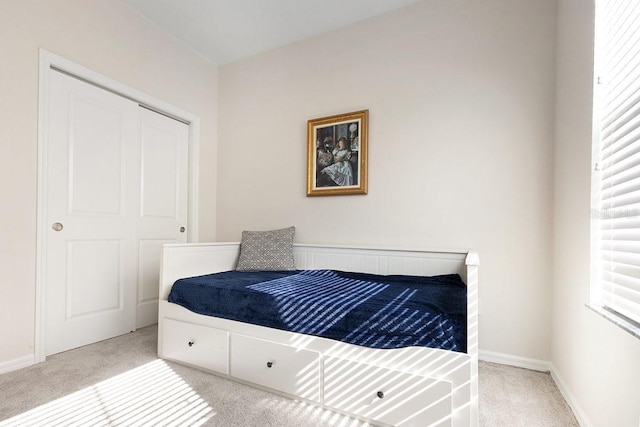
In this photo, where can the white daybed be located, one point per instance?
(413, 386)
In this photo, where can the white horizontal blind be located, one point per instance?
(617, 183)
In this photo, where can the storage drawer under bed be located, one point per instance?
(196, 345)
(280, 367)
(385, 395)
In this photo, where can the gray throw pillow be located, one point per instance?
(267, 250)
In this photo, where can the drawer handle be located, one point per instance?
(191, 343)
(269, 364)
(380, 394)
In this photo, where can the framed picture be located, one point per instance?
(337, 154)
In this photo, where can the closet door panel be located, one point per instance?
(162, 214)
(91, 204)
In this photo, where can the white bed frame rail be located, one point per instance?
(432, 386)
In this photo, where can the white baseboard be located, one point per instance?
(579, 413)
(16, 364)
(511, 360)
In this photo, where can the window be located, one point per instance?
(615, 285)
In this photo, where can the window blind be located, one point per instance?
(617, 170)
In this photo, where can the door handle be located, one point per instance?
(182, 229)
(57, 226)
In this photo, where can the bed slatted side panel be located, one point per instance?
(380, 261)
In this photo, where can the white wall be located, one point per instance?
(461, 101)
(597, 362)
(110, 38)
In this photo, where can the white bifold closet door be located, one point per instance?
(116, 190)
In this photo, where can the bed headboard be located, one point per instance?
(193, 259)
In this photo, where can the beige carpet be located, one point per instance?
(121, 382)
(513, 397)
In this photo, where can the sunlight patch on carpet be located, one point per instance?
(152, 394)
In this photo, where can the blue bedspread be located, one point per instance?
(363, 309)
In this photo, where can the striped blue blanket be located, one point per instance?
(363, 309)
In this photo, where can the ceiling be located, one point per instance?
(227, 30)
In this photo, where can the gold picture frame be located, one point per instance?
(337, 154)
